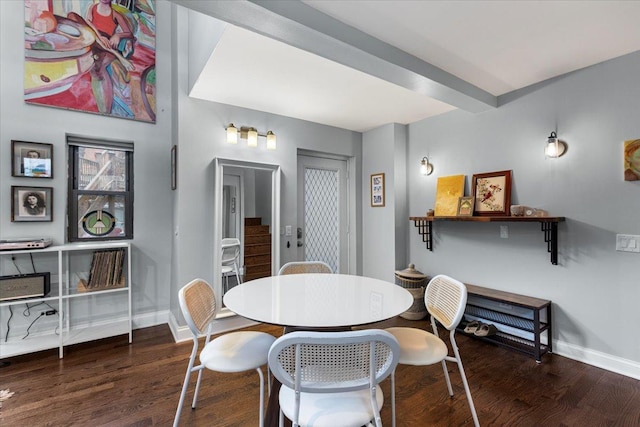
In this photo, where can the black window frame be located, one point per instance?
(74, 192)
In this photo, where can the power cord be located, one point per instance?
(6, 337)
(27, 313)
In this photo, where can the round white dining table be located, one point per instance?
(318, 300)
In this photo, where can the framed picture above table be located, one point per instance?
(492, 193)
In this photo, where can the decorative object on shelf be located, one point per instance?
(554, 148)
(430, 212)
(449, 189)
(522, 210)
(517, 210)
(251, 135)
(31, 204)
(377, 190)
(106, 271)
(31, 159)
(492, 192)
(632, 160)
(426, 168)
(465, 206)
(415, 282)
(174, 167)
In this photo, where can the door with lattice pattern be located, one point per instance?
(322, 212)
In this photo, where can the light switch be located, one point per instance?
(504, 232)
(627, 243)
(287, 229)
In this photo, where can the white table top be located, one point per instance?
(318, 300)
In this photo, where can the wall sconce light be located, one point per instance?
(426, 168)
(251, 135)
(555, 148)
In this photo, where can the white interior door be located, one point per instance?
(323, 233)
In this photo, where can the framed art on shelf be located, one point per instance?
(31, 159)
(465, 206)
(31, 204)
(492, 193)
(377, 190)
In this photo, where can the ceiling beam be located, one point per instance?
(301, 26)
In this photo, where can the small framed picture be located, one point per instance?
(31, 204)
(174, 167)
(377, 190)
(465, 206)
(492, 192)
(31, 159)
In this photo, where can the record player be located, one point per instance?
(20, 244)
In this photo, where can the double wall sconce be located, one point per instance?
(554, 148)
(426, 168)
(251, 135)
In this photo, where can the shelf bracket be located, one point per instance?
(424, 228)
(550, 230)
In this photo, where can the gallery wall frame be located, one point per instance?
(492, 193)
(31, 204)
(377, 190)
(31, 159)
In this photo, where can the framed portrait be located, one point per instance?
(31, 159)
(174, 167)
(31, 204)
(492, 193)
(377, 190)
(465, 206)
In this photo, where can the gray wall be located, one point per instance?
(595, 290)
(18, 120)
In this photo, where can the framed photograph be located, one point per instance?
(31, 159)
(465, 206)
(174, 167)
(31, 204)
(377, 190)
(492, 193)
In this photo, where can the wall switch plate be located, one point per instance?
(504, 231)
(287, 230)
(627, 243)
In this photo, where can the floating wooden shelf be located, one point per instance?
(548, 224)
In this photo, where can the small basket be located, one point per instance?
(416, 283)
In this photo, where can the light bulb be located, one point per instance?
(252, 138)
(232, 134)
(271, 141)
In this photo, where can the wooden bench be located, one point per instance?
(520, 319)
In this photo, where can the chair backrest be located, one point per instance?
(198, 305)
(299, 267)
(326, 362)
(230, 250)
(446, 299)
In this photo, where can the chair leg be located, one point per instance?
(195, 394)
(393, 398)
(476, 423)
(185, 385)
(446, 377)
(237, 270)
(261, 422)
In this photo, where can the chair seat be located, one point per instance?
(331, 409)
(226, 269)
(418, 347)
(237, 351)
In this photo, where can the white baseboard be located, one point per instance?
(598, 359)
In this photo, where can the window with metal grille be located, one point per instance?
(100, 194)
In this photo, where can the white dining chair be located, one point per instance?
(332, 378)
(300, 267)
(445, 299)
(230, 258)
(232, 352)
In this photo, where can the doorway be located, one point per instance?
(323, 211)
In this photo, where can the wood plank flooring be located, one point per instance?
(112, 383)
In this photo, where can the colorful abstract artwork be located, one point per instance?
(632, 160)
(448, 190)
(95, 56)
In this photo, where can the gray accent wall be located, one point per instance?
(595, 290)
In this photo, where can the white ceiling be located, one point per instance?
(496, 46)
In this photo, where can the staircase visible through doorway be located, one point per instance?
(257, 249)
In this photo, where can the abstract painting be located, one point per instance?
(448, 191)
(95, 56)
(632, 160)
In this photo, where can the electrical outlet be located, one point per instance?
(627, 243)
(504, 232)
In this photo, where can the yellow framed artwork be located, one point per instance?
(449, 189)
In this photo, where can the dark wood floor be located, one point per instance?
(112, 383)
